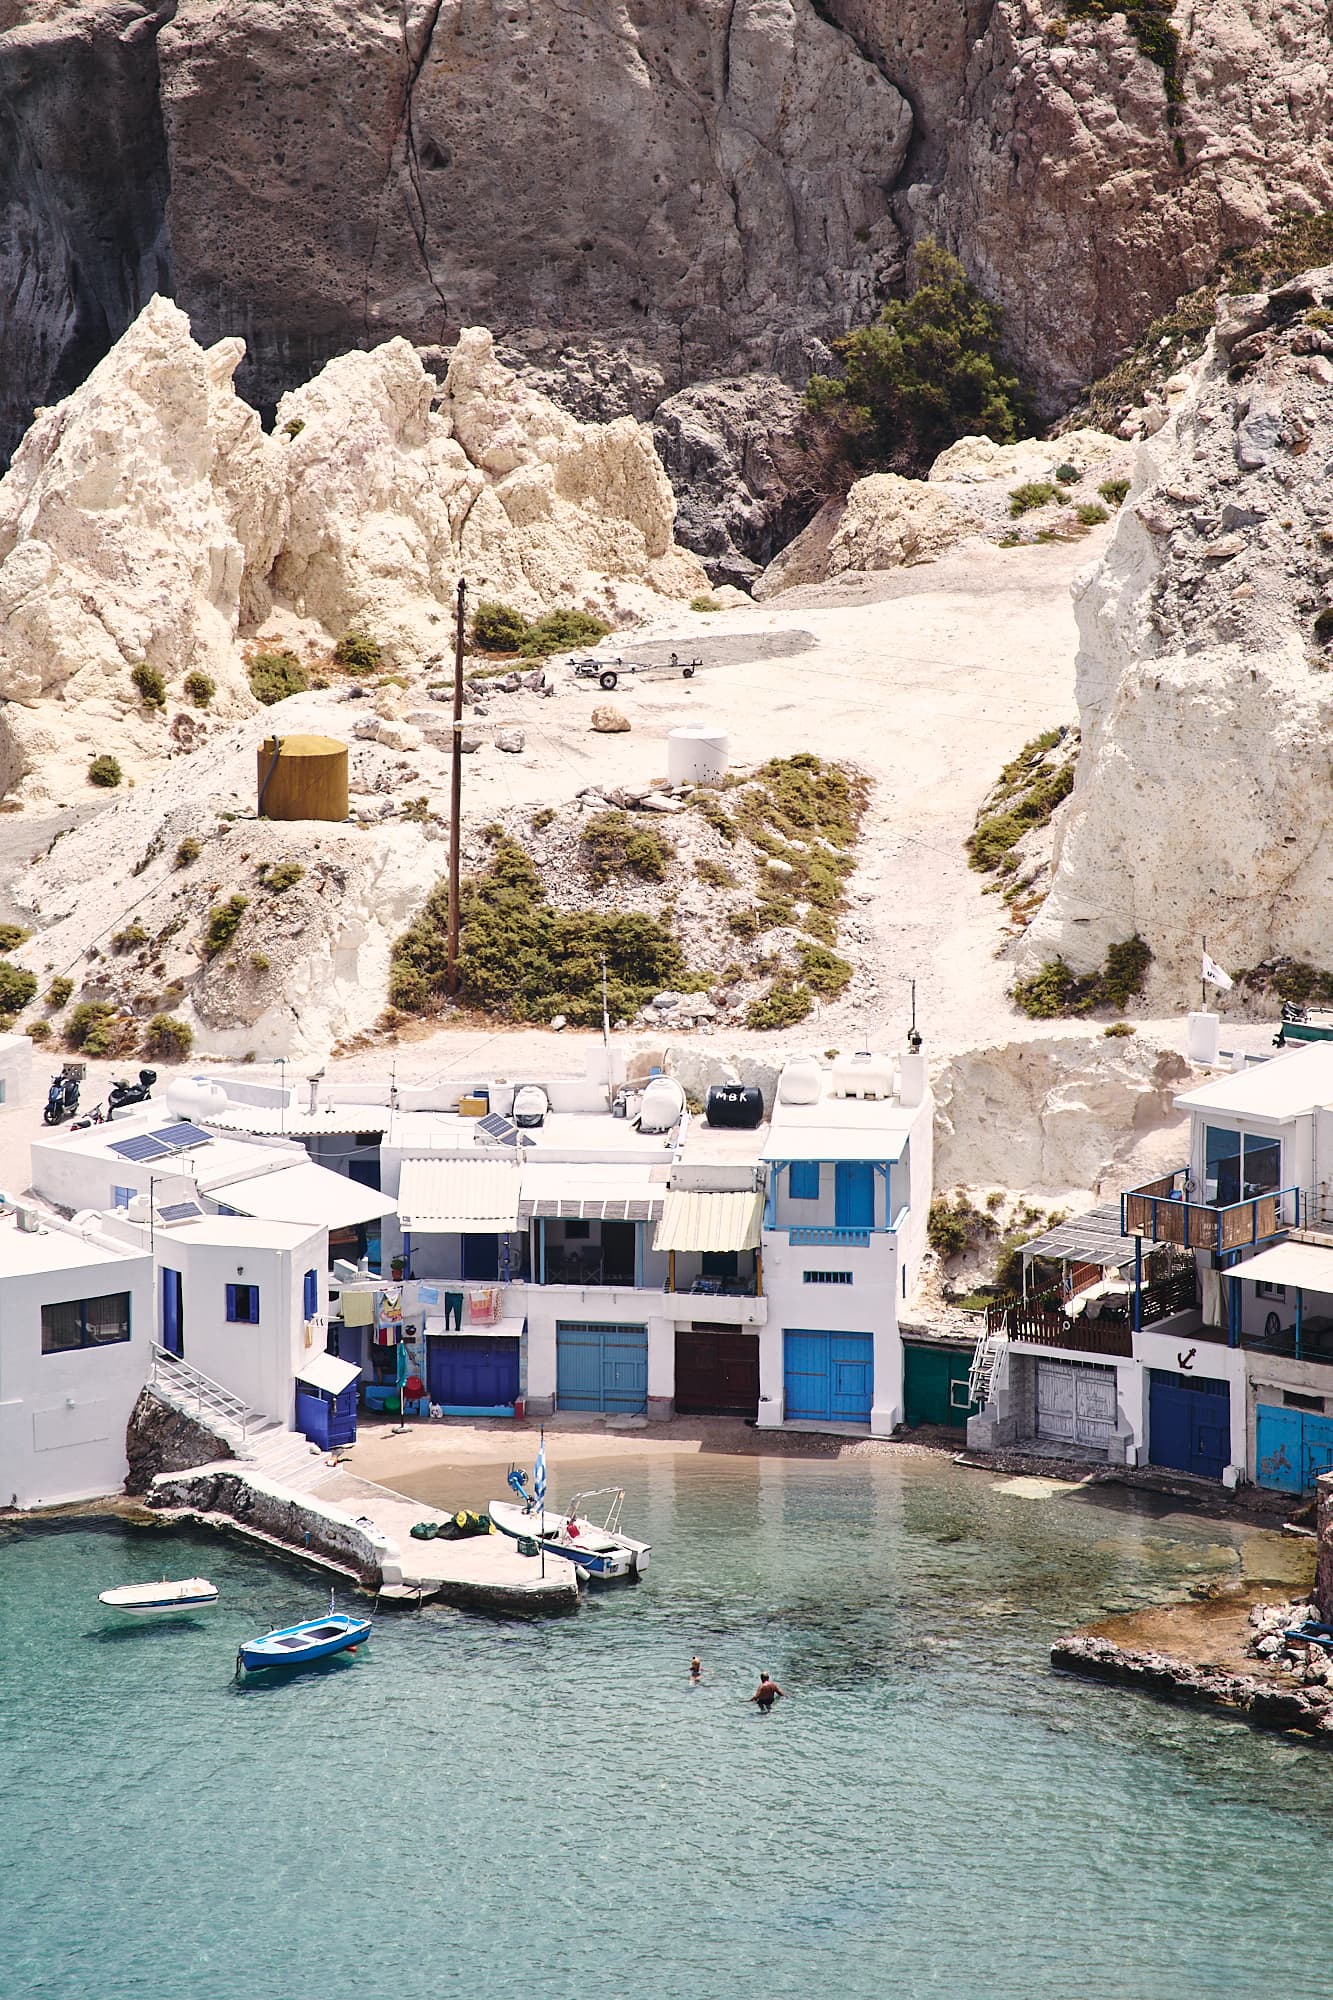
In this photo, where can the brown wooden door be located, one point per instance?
(717, 1372)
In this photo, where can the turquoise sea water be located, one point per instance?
(488, 1808)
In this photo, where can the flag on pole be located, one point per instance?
(539, 1474)
(1213, 974)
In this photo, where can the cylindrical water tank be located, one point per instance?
(663, 1105)
(302, 777)
(1201, 1032)
(863, 1075)
(697, 755)
(734, 1104)
(801, 1081)
(531, 1105)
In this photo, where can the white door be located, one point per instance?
(1075, 1402)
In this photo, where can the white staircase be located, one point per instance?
(285, 1457)
(987, 1364)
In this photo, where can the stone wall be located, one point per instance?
(256, 1503)
(1323, 1588)
(160, 1439)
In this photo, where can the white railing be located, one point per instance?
(186, 1386)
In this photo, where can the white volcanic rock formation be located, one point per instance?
(148, 519)
(1203, 803)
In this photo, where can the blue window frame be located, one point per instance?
(75, 1323)
(310, 1294)
(243, 1304)
(803, 1180)
(121, 1197)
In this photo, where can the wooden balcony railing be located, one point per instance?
(1159, 1211)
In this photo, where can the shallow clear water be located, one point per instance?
(489, 1808)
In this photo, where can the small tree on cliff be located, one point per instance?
(926, 372)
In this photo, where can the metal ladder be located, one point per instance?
(987, 1362)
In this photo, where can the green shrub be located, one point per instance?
(188, 852)
(169, 1038)
(773, 913)
(105, 771)
(614, 843)
(222, 924)
(151, 686)
(498, 628)
(1055, 990)
(1090, 514)
(1032, 493)
(1027, 793)
(280, 875)
(1115, 1029)
(543, 818)
(926, 372)
(704, 604)
(199, 688)
(711, 809)
(946, 1231)
(745, 923)
(39, 1030)
(90, 1019)
(561, 632)
(1068, 475)
(130, 938)
(785, 1003)
(16, 988)
(359, 652)
(523, 959)
(1113, 491)
(1150, 23)
(824, 972)
(293, 427)
(259, 961)
(715, 873)
(274, 676)
(1125, 970)
(820, 925)
(416, 810)
(58, 992)
(12, 936)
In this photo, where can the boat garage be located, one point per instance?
(827, 1377)
(601, 1366)
(717, 1371)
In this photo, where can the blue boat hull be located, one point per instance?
(298, 1645)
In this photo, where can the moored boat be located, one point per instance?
(141, 1600)
(597, 1549)
(297, 1645)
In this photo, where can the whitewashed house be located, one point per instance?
(15, 1071)
(76, 1326)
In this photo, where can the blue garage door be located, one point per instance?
(601, 1367)
(1189, 1422)
(1291, 1447)
(472, 1376)
(828, 1377)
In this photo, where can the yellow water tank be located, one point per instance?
(302, 777)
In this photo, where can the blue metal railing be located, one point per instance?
(842, 1239)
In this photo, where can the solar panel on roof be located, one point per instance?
(179, 1211)
(140, 1146)
(499, 1131)
(175, 1136)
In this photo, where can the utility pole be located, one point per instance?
(456, 796)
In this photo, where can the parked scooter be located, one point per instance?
(62, 1099)
(131, 1093)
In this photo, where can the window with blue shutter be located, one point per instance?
(803, 1180)
(121, 1197)
(243, 1304)
(310, 1299)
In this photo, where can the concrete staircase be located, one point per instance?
(285, 1457)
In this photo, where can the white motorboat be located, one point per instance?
(597, 1549)
(190, 1593)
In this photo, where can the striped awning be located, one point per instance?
(443, 1197)
(692, 1221)
(600, 1191)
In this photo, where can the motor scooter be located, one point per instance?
(131, 1093)
(62, 1099)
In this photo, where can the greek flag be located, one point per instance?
(539, 1474)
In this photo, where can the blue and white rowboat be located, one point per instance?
(144, 1600)
(296, 1645)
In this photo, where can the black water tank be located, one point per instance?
(735, 1104)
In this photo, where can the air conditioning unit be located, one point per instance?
(27, 1220)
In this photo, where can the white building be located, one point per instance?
(15, 1070)
(849, 1158)
(76, 1323)
(1214, 1355)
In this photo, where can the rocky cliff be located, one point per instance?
(1203, 803)
(709, 188)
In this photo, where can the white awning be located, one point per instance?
(1305, 1265)
(326, 1371)
(443, 1197)
(600, 1191)
(499, 1329)
(305, 1193)
(694, 1221)
(795, 1140)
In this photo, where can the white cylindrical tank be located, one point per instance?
(663, 1105)
(697, 755)
(1201, 1032)
(863, 1075)
(194, 1097)
(801, 1081)
(531, 1105)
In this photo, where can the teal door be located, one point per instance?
(828, 1377)
(601, 1367)
(854, 1194)
(1291, 1447)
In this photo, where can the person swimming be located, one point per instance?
(766, 1694)
(696, 1668)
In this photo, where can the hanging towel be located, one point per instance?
(358, 1308)
(428, 1295)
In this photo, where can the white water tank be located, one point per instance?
(863, 1075)
(531, 1105)
(801, 1081)
(1201, 1031)
(697, 755)
(195, 1097)
(663, 1105)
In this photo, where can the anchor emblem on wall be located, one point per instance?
(1185, 1361)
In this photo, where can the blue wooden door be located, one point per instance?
(173, 1338)
(828, 1377)
(1189, 1422)
(469, 1375)
(601, 1366)
(1279, 1448)
(854, 1194)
